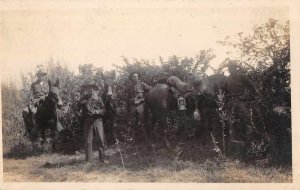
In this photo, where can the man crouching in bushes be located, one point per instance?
(91, 109)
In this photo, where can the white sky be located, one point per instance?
(101, 33)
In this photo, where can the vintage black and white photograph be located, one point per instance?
(152, 92)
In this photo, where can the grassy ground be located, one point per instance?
(185, 163)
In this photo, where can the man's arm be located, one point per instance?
(101, 108)
(146, 87)
(95, 107)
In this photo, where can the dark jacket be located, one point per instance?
(90, 106)
(136, 91)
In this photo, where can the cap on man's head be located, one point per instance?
(90, 83)
(41, 72)
(133, 73)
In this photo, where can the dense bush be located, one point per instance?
(265, 58)
(13, 132)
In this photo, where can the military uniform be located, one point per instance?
(135, 104)
(38, 92)
(91, 108)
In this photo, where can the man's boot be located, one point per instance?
(102, 155)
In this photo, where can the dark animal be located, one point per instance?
(209, 88)
(46, 116)
(158, 103)
(108, 97)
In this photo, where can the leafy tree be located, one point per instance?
(265, 57)
(268, 44)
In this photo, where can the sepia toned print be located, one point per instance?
(147, 93)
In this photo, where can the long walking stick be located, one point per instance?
(117, 141)
(138, 152)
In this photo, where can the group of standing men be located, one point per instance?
(92, 109)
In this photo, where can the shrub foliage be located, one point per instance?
(264, 57)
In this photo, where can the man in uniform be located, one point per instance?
(135, 101)
(38, 92)
(91, 109)
(235, 86)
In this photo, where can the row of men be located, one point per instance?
(91, 106)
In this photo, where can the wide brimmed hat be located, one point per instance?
(132, 73)
(90, 83)
(41, 72)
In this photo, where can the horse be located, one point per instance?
(46, 115)
(159, 101)
(108, 96)
(209, 89)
